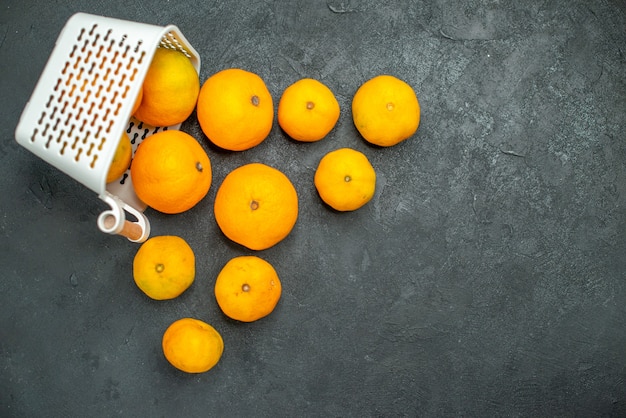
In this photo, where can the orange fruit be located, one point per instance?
(121, 159)
(235, 109)
(385, 110)
(247, 288)
(192, 345)
(308, 110)
(171, 172)
(345, 179)
(170, 89)
(164, 267)
(256, 206)
(137, 101)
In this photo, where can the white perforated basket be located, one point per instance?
(82, 102)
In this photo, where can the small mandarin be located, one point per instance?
(170, 89)
(256, 206)
(247, 288)
(308, 110)
(345, 179)
(385, 110)
(192, 345)
(137, 101)
(121, 159)
(164, 267)
(235, 109)
(171, 172)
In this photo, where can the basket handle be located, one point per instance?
(114, 221)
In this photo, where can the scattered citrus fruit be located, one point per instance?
(256, 206)
(385, 110)
(171, 172)
(307, 110)
(170, 89)
(164, 267)
(235, 109)
(121, 159)
(247, 288)
(345, 179)
(192, 346)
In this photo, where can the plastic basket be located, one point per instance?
(82, 102)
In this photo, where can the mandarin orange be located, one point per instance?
(235, 109)
(171, 172)
(256, 206)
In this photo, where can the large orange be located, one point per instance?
(385, 110)
(171, 172)
(235, 109)
(170, 89)
(256, 206)
(192, 345)
(164, 267)
(345, 179)
(307, 110)
(247, 288)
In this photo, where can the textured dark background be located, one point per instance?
(487, 277)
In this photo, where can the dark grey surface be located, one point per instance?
(485, 278)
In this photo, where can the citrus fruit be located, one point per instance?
(170, 89)
(307, 110)
(247, 288)
(164, 267)
(256, 206)
(385, 110)
(137, 101)
(171, 172)
(235, 109)
(121, 159)
(345, 179)
(192, 345)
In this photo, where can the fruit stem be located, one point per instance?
(255, 100)
(159, 268)
(254, 205)
(310, 105)
(347, 179)
(390, 106)
(199, 166)
(245, 287)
